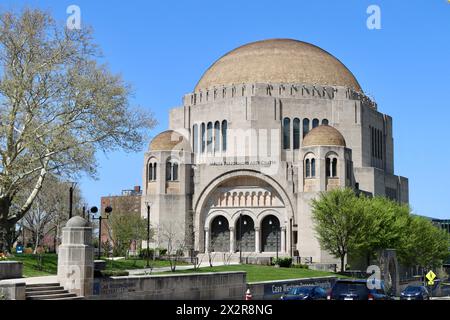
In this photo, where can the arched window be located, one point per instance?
(327, 167)
(203, 138)
(195, 138)
(296, 129)
(209, 137)
(313, 168)
(151, 172)
(217, 136)
(334, 167)
(172, 170)
(305, 127)
(315, 123)
(307, 168)
(286, 133)
(325, 122)
(224, 135)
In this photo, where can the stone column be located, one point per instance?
(257, 240)
(283, 239)
(232, 240)
(206, 240)
(76, 257)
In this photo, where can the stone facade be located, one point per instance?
(76, 257)
(240, 176)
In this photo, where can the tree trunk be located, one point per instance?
(342, 263)
(4, 212)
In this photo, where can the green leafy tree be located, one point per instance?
(339, 222)
(59, 106)
(126, 227)
(385, 223)
(423, 244)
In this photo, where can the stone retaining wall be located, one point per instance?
(10, 270)
(200, 286)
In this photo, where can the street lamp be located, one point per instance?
(108, 210)
(148, 233)
(277, 234)
(72, 186)
(240, 235)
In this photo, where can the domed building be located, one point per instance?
(268, 127)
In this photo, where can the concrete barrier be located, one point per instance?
(273, 290)
(12, 290)
(10, 270)
(193, 286)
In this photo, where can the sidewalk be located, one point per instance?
(165, 269)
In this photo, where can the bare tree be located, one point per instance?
(174, 237)
(59, 106)
(49, 211)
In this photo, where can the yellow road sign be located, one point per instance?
(430, 276)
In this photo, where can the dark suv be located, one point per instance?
(357, 290)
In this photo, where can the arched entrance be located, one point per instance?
(270, 234)
(245, 234)
(220, 234)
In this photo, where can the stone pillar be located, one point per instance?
(206, 240)
(76, 257)
(257, 240)
(232, 240)
(283, 239)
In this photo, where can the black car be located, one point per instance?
(305, 293)
(415, 293)
(357, 290)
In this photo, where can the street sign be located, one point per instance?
(430, 276)
(19, 249)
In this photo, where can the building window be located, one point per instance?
(315, 123)
(307, 168)
(209, 137)
(305, 127)
(172, 170)
(349, 170)
(334, 168)
(224, 135)
(296, 129)
(286, 133)
(325, 122)
(203, 138)
(327, 167)
(313, 168)
(195, 138)
(217, 136)
(152, 171)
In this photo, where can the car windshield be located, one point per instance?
(412, 289)
(359, 288)
(302, 290)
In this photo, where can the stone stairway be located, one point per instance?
(49, 291)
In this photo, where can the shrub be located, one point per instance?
(300, 266)
(162, 252)
(283, 262)
(114, 273)
(143, 253)
(28, 250)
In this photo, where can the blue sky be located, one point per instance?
(163, 47)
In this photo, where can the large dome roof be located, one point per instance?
(324, 135)
(278, 61)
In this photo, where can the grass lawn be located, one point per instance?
(129, 264)
(31, 266)
(256, 273)
(50, 264)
